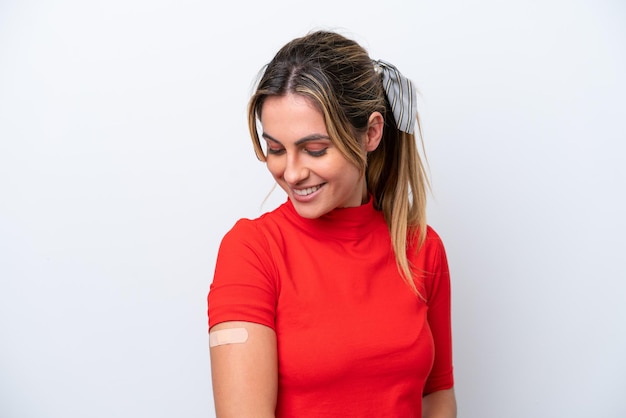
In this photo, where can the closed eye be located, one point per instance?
(275, 151)
(316, 153)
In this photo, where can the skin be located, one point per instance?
(318, 179)
(305, 163)
(440, 404)
(245, 376)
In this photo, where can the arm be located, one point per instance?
(439, 400)
(440, 404)
(245, 375)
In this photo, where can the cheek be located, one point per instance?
(275, 167)
(344, 171)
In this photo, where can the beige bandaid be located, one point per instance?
(228, 336)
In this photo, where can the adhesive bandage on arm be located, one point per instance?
(228, 336)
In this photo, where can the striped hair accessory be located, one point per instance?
(401, 95)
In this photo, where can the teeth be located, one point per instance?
(307, 191)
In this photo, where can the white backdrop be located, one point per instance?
(124, 158)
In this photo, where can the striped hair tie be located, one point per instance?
(401, 95)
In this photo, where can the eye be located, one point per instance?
(275, 150)
(316, 152)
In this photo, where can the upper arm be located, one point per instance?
(440, 404)
(243, 295)
(439, 317)
(245, 375)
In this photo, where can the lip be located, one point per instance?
(308, 197)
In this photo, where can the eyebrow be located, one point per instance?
(312, 137)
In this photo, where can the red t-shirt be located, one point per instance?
(353, 340)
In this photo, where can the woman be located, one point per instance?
(337, 303)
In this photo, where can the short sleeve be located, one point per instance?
(244, 286)
(439, 316)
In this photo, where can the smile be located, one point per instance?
(307, 191)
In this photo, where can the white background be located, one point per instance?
(124, 158)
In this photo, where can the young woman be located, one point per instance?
(337, 303)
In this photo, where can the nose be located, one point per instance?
(295, 171)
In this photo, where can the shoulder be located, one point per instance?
(243, 228)
(433, 241)
(253, 231)
(432, 235)
(430, 263)
(247, 252)
(432, 247)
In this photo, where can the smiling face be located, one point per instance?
(303, 159)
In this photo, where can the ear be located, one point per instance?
(375, 126)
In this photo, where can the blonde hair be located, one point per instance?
(337, 75)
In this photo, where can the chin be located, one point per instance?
(309, 213)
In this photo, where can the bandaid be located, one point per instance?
(228, 336)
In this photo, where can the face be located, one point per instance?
(303, 160)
